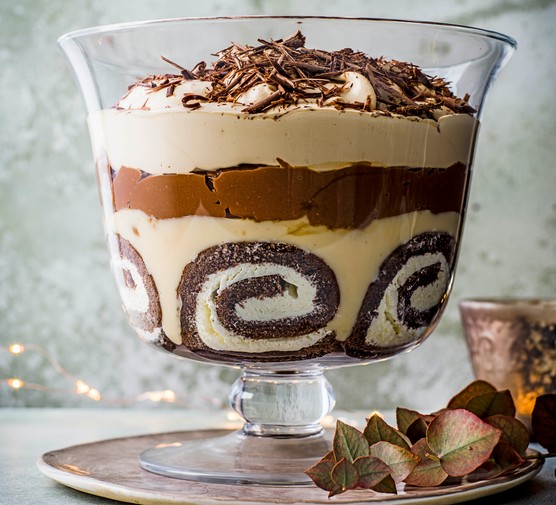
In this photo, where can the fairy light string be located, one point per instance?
(79, 386)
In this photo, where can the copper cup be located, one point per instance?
(512, 344)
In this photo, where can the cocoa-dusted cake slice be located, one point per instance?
(140, 295)
(405, 298)
(264, 296)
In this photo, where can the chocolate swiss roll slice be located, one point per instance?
(405, 298)
(258, 301)
(139, 294)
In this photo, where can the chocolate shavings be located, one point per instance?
(296, 74)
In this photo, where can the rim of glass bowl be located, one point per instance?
(480, 32)
(503, 302)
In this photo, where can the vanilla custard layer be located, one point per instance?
(355, 255)
(211, 138)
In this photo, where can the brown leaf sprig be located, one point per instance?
(476, 432)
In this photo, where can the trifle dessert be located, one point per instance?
(285, 203)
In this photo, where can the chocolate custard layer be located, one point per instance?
(350, 197)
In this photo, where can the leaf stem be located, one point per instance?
(541, 456)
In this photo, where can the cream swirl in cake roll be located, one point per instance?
(403, 301)
(259, 298)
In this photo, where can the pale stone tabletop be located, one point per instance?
(25, 434)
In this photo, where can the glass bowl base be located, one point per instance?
(239, 458)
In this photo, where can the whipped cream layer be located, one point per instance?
(354, 256)
(211, 138)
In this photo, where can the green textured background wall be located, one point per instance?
(56, 289)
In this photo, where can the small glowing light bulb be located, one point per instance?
(15, 383)
(153, 396)
(81, 388)
(93, 394)
(16, 348)
(168, 396)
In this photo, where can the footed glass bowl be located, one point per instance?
(283, 195)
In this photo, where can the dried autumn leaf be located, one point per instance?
(478, 387)
(543, 421)
(329, 456)
(371, 471)
(400, 460)
(345, 475)
(378, 430)
(406, 417)
(321, 475)
(349, 443)
(493, 403)
(503, 458)
(417, 430)
(428, 471)
(514, 432)
(386, 485)
(461, 440)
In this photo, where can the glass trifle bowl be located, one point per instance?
(282, 195)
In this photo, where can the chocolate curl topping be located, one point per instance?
(265, 103)
(296, 73)
(192, 101)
